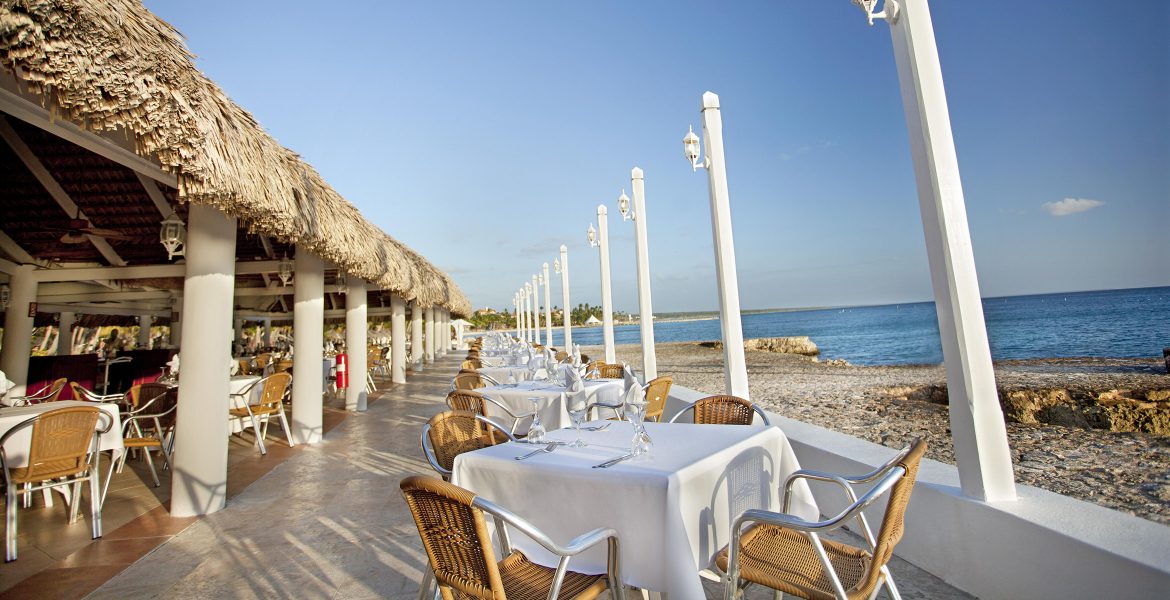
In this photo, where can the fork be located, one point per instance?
(548, 448)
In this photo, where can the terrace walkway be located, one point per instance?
(329, 522)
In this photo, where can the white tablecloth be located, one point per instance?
(672, 510)
(16, 450)
(500, 374)
(238, 384)
(505, 360)
(552, 401)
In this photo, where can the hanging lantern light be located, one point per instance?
(5, 295)
(557, 266)
(624, 207)
(342, 286)
(285, 270)
(691, 148)
(173, 236)
(591, 234)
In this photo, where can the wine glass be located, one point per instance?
(536, 430)
(511, 378)
(635, 412)
(577, 405)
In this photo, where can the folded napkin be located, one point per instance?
(629, 379)
(174, 364)
(634, 393)
(571, 376)
(233, 367)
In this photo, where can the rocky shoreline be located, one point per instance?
(1061, 413)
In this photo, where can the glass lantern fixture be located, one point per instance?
(540, 278)
(624, 207)
(5, 295)
(691, 149)
(285, 271)
(591, 234)
(173, 236)
(557, 266)
(342, 286)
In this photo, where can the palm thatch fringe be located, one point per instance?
(112, 64)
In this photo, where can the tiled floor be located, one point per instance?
(328, 522)
(62, 561)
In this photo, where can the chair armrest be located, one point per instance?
(503, 407)
(575, 546)
(429, 452)
(816, 476)
(850, 512)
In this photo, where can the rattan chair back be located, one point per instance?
(454, 432)
(61, 441)
(724, 410)
(471, 364)
(455, 536)
(473, 353)
(561, 355)
(55, 389)
(604, 370)
(245, 366)
(283, 366)
(79, 391)
(467, 400)
(262, 360)
(272, 394)
(468, 381)
(894, 519)
(656, 393)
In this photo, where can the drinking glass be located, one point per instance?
(635, 412)
(578, 405)
(511, 377)
(536, 430)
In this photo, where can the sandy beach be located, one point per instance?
(1126, 471)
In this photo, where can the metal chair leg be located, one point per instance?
(150, 463)
(259, 436)
(10, 525)
(287, 429)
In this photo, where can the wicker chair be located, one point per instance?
(49, 393)
(604, 370)
(786, 553)
(723, 410)
(561, 355)
(471, 380)
(282, 366)
(58, 455)
(271, 403)
(156, 409)
(472, 401)
(453, 432)
(80, 392)
(462, 560)
(657, 391)
(471, 364)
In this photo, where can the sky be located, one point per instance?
(485, 134)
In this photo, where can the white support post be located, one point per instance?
(308, 351)
(416, 336)
(642, 253)
(18, 328)
(980, 436)
(606, 292)
(567, 308)
(397, 339)
(547, 306)
(429, 332)
(734, 364)
(356, 327)
(65, 336)
(536, 306)
(199, 482)
(144, 322)
(445, 333)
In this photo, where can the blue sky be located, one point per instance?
(485, 134)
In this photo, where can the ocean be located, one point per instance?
(1130, 323)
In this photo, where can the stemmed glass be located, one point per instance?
(577, 405)
(536, 430)
(635, 412)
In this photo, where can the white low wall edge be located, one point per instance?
(1043, 545)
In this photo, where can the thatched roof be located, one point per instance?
(112, 64)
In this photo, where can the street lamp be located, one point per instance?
(536, 307)
(546, 281)
(637, 214)
(734, 364)
(606, 294)
(591, 235)
(528, 296)
(561, 266)
(342, 285)
(285, 270)
(173, 236)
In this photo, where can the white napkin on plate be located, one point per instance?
(629, 379)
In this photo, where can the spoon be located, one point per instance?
(549, 448)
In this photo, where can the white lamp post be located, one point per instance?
(529, 294)
(637, 214)
(523, 314)
(606, 294)
(516, 312)
(980, 436)
(536, 282)
(561, 266)
(734, 365)
(547, 282)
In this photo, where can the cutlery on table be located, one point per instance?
(597, 427)
(548, 448)
(609, 463)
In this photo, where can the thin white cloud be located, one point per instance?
(1070, 206)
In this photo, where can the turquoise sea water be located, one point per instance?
(1128, 323)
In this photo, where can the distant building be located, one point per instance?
(485, 311)
(592, 320)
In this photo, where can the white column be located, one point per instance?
(18, 328)
(429, 332)
(199, 482)
(445, 333)
(397, 339)
(267, 339)
(980, 436)
(65, 336)
(734, 365)
(144, 322)
(547, 306)
(642, 253)
(416, 336)
(308, 353)
(606, 292)
(567, 321)
(355, 343)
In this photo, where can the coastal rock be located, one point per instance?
(799, 345)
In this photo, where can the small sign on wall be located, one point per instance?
(32, 309)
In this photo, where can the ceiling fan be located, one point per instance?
(77, 230)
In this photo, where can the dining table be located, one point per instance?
(501, 374)
(240, 387)
(552, 407)
(672, 508)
